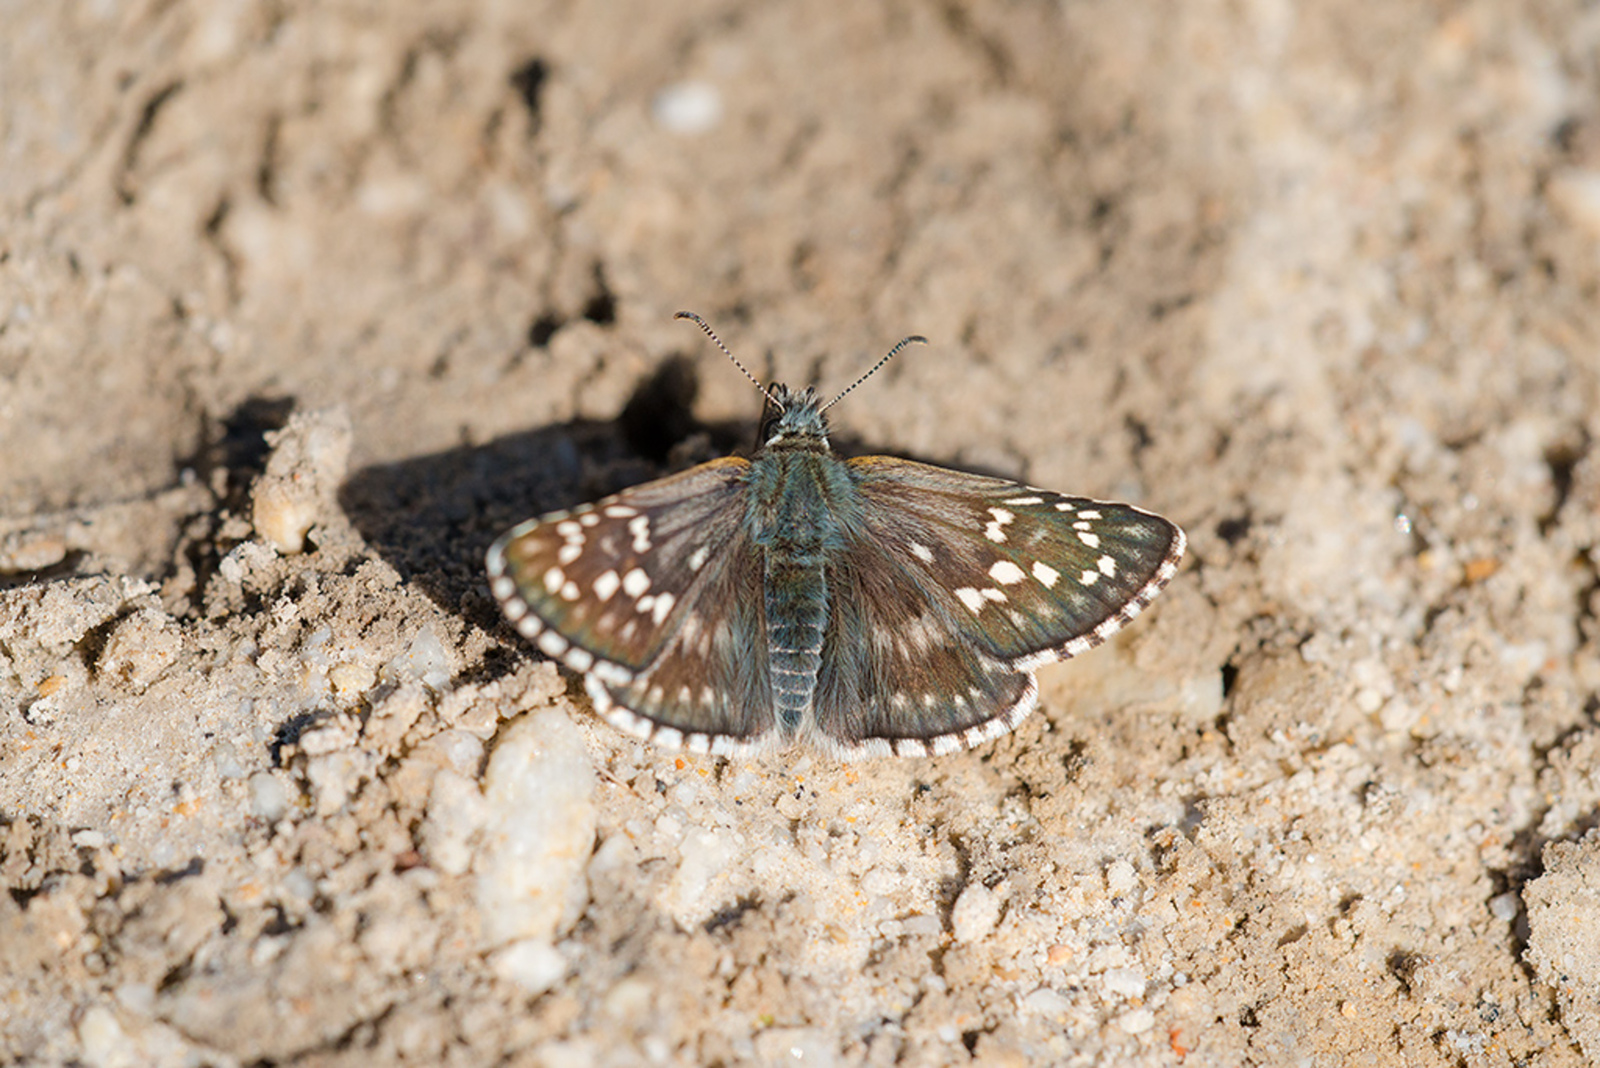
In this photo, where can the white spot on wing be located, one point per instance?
(639, 527)
(1046, 575)
(608, 583)
(1006, 573)
(921, 551)
(971, 598)
(554, 579)
(995, 529)
(635, 582)
(662, 607)
(1108, 566)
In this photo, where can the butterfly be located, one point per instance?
(866, 607)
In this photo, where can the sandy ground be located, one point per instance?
(300, 305)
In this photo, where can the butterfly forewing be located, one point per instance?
(619, 589)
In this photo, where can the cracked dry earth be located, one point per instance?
(302, 304)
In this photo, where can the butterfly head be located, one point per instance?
(793, 416)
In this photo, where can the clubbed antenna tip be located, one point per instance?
(914, 339)
(712, 334)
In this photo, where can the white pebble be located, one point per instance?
(1137, 1021)
(104, 1043)
(540, 828)
(532, 964)
(1123, 983)
(1121, 878)
(425, 660)
(708, 855)
(975, 913)
(689, 107)
(456, 812)
(1046, 1002)
(268, 798)
(302, 477)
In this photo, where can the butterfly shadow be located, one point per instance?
(433, 517)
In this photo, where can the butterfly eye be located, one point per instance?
(769, 420)
(774, 410)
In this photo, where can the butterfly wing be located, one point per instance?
(956, 588)
(653, 595)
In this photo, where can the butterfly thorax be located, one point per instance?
(802, 500)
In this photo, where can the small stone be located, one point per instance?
(1123, 983)
(351, 680)
(975, 913)
(142, 647)
(426, 660)
(1121, 879)
(298, 488)
(539, 832)
(105, 1044)
(1137, 1021)
(1046, 1002)
(334, 777)
(697, 888)
(534, 965)
(268, 798)
(688, 108)
(455, 813)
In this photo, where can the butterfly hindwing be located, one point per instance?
(652, 594)
(897, 677)
(709, 687)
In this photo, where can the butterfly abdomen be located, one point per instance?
(797, 616)
(799, 496)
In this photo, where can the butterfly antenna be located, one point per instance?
(916, 339)
(712, 334)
